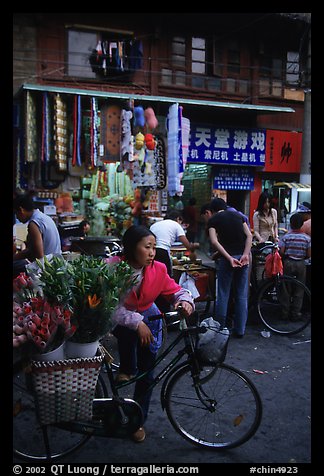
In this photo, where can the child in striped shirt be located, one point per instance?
(295, 247)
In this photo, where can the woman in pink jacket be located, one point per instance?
(138, 338)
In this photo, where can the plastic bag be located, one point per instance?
(187, 282)
(273, 264)
(212, 345)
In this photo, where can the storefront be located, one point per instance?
(96, 155)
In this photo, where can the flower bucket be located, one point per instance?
(73, 350)
(56, 354)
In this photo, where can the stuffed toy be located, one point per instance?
(139, 119)
(149, 141)
(139, 141)
(150, 118)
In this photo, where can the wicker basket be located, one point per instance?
(65, 389)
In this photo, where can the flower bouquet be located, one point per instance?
(41, 319)
(62, 300)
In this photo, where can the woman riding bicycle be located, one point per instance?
(138, 338)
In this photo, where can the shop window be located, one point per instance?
(179, 52)
(271, 72)
(233, 61)
(166, 76)
(198, 55)
(180, 78)
(214, 84)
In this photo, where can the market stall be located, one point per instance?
(102, 159)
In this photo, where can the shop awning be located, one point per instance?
(141, 97)
(292, 185)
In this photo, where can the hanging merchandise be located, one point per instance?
(180, 141)
(144, 169)
(110, 133)
(160, 163)
(76, 157)
(139, 118)
(60, 133)
(178, 129)
(135, 56)
(94, 139)
(185, 131)
(149, 141)
(150, 119)
(173, 150)
(127, 147)
(31, 128)
(46, 129)
(113, 57)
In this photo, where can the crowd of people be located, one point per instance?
(147, 250)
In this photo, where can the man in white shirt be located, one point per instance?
(167, 232)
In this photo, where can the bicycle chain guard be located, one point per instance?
(118, 419)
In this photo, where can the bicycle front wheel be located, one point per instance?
(29, 436)
(218, 409)
(284, 305)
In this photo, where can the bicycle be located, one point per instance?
(268, 296)
(211, 405)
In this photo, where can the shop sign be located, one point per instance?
(234, 178)
(230, 146)
(283, 151)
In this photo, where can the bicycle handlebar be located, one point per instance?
(183, 323)
(267, 245)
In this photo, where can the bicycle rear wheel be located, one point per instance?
(218, 409)
(29, 436)
(275, 303)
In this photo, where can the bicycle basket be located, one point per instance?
(211, 346)
(65, 389)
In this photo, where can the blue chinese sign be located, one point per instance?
(230, 146)
(234, 178)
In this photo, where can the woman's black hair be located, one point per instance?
(132, 236)
(264, 196)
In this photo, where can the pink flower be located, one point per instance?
(112, 259)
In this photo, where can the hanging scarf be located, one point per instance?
(46, 129)
(76, 158)
(31, 130)
(60, 133)
(94, 132)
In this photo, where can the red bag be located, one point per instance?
(273, 264)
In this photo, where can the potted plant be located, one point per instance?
(96, 287)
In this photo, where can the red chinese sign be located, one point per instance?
(283, 151)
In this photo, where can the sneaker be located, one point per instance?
(121, 377)
(139, 435)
